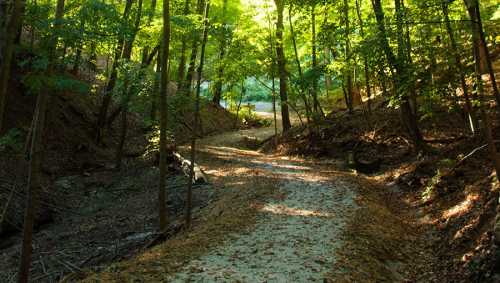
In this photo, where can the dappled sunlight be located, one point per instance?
(461, 208)
(290, 211)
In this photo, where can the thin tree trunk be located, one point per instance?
(7, 55)
(493, 153)
(103, 112)
(409, 120)
(478, 35)
(316, 106)
(196, 118)
(162, 198)
(469, 110)
(348, 72)
(220, 72)
(192, 60)
(274, 114)
(280, 53)
(36, 150)
(299, 67)
(182, 59)
(365, 59)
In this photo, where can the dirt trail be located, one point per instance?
(295, 236)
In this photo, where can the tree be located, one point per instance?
(222, 51)
(469, 110)
(397, 67)
(35, 155)
(163, 116)
(7, 50)
(196, 117)
(103, 112)
(280, 54)
(479, 41)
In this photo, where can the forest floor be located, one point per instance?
(277, 218)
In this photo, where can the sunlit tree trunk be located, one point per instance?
(479, 38)
(189, 198)
(162, 198)
(7, 54)
(280, 53)
(35, 155)
(469, 110)
(365, 59)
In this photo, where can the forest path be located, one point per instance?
(296, 234)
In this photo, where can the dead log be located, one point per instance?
(199, 177)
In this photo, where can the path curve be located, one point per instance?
(296, 235)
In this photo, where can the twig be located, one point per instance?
(467, 156)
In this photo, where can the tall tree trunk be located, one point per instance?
(196, 118)
(280, 56)
(192, 61)
(182, 58)
(365, 59)
(127, 53)
(469, 110)
(220, 72)
(103, 112)
(409, 120)
(162, 198)
(409, 61)
(7, 55)
(316, 106)
(35, 156)
(479, 37)
(493, 153)
(348, 71)
(299, 67)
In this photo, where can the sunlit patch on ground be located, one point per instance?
(462, 207)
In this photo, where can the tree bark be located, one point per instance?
(299, 67)
(348, 72)
(493, 153)
(479, 37)
(365, 59)
(189, 197)
(192, 61)
(103, 112)
(280, 54)
(8, 54)
(316, 106)
(222, 51)
(469, 110)
(162, 198)
(182, 58)
(409, 120)
(35, 156)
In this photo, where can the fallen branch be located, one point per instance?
(199, 177)
(468, 156)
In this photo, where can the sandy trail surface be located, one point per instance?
(296, 235)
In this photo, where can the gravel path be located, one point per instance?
(296, 235)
